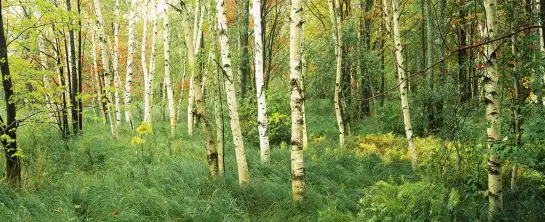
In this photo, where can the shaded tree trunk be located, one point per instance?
(9, 127)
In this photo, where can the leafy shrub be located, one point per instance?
(279, 118)
(420, 201)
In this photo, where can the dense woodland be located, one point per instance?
(272, 110)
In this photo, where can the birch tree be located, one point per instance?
(130, 57)
(297, 165)
(260, 84)
(117, 82)
(148, 84)
(400, 65)
(197, 42)
(243, 176)
(337, 97)
(168, 86)
(492, 105)
(211, 153)
(105, 67)
(96, 71)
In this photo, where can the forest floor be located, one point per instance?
(97, 178)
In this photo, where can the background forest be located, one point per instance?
(207, 110)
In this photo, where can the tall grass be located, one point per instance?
(94, 177)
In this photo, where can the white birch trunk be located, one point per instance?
(243, 176)
(148, 85)
(259, 84)
(297, 164)
(492, 105)
(143, 59)
(337, 97)
(168, 86)
(96, 71)
(117, 82)
(130, 57)
(67, 87)
(400, 64)
(105, 67)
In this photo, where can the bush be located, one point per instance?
(279, 118)
(420, 201)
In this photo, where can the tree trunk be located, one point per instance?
(143, 55)
(430, 60)
(243, 176)
(45, 79)
(337, 23)
(400, 65)
(130, 57)
(105, 67)
(244, 7)
(9, 128)
(211, 153)
(464, 82)
(74, 74)
(98, 86)
(298, 184)
(492, 105)
(168, 86)
(259, 84)
(148, 84)
(68, 85)
(117, 82)
(197, 40)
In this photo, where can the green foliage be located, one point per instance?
(279, 118)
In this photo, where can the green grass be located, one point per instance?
(93, 176)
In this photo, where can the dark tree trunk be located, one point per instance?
(9, 128)
(63, 118)
(464, 83)
(244, 12)
(80, 71)
(73, 75)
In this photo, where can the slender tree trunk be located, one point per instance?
(98, 86)
(68, 85)
(45, 79)
(81, 55)
(464, 81)
(400, 64)
(337, 23)
(430, 60)
(298, 184)
(74, 75)
(117, 82)
(148, 85)
(168, 86)
(130, 61)
(244, 7)
(105, 67)
(182, 90)
(143, 56)
(259, 84)
(492, 104)
(197, 40)
(9, 127)
(63, 120)
(243, 176)
(218, 116)
(211, 153)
